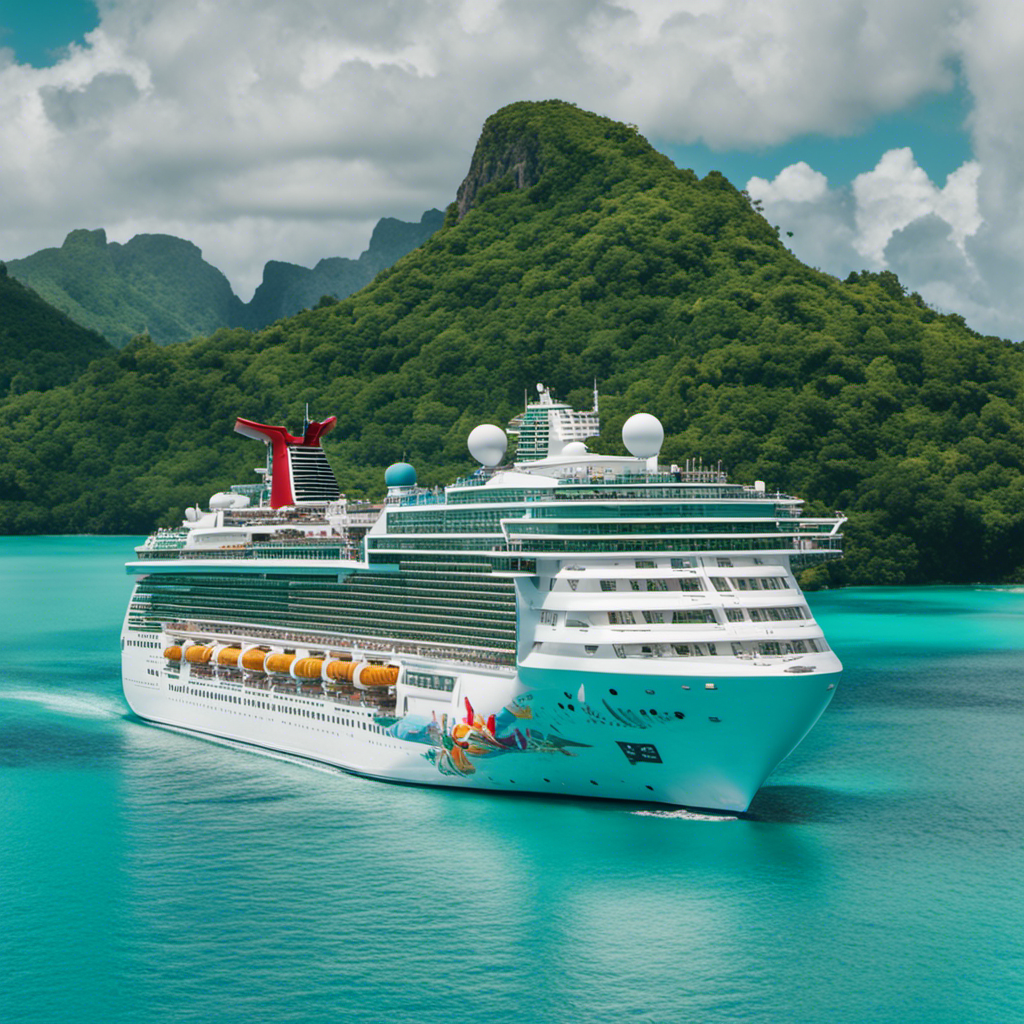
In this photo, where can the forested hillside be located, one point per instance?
(39, 346)
(576, 251)
(161, 286)
(154, 283)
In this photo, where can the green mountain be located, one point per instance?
(574, 251)
(288, 288)
(161, 286)
(40, 347)
(155, 283)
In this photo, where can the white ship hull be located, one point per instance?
(685, 743)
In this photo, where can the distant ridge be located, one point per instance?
(155, 284)
(288, 288)
(160, 285)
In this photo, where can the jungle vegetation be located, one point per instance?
(39, 346)
(161, 286)
(575, 251)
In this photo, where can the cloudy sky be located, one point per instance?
(880, 134)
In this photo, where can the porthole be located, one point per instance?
(614, 693)
(653, 712)
(650, 693)
(680, 715)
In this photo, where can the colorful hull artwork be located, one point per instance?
(458, 743)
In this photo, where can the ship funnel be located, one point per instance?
(300, 472)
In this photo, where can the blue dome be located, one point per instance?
(401, 474)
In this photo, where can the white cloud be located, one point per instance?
(264, 123)
(898, 192)
(894, 217)
(798, 183)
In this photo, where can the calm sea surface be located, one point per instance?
(147, 876)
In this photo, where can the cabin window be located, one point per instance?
(691, 616)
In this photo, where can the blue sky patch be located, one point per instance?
(37, 31)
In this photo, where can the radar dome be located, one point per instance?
(488, 444)
(642, 435)
(222, 499)
(400, 474)
(575, 448)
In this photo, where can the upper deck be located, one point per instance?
(560, 501)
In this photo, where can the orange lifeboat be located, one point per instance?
(199, 654)
(229, 656)
(308, 668)
(254, 658)
(341, 671)
(377, 675)
(278, 662)
(173, 653)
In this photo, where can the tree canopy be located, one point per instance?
(576, 251)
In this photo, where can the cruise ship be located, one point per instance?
(566, 623)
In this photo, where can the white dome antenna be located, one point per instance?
(642, 434)
(488, 444)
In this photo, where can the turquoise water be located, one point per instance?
(154, 877)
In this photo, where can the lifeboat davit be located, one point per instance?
(229, 656)
(173, 653)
